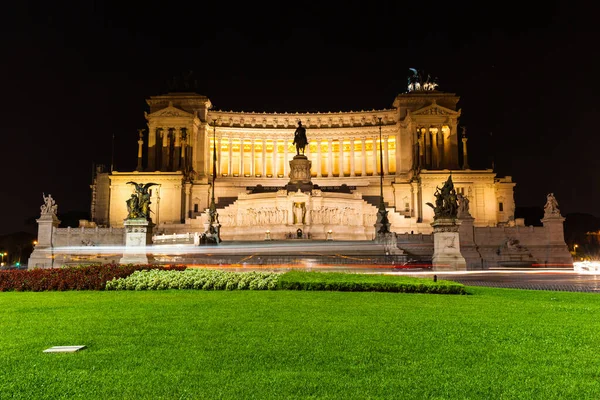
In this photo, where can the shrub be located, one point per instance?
(195, 279)
(295, 280)
(90, 277)
(346, 282)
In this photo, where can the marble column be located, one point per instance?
(253, 162)
(286, 152)
(352, 172)
(176, 148)
(330, 159)
(165, 150)
(364, 156)
(264, 158)
(183, 161)
(440, 135)
(230, 161)
(275, 169)
(219, 156)
(386, 156)
(319, 162)
(421, 142)
(435, 153)
(241, 156)
(375, 156)
(140, 144)
(188, 200)
(341, 157)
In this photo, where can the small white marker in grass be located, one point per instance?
(64, 349)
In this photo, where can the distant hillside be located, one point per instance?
(18, 245)
(576, 227)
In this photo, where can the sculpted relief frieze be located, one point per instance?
(257, 216)
(170, 112)
(336, 215)
(278, 215)
(432, 111)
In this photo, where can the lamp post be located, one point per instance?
(214, 226)
(383, 224)
(3, 254)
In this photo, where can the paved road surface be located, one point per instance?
(524, 279)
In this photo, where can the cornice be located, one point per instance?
(313, 133)
(309, 120)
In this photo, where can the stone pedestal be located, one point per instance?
(138, 234)
(468, 247)
(43, 254)
(446, 246)
(557, 253)
(300, 174)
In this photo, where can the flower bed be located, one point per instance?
(91, 277)
(195, 279)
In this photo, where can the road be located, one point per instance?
(561, 280)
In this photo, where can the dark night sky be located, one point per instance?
(75, 75)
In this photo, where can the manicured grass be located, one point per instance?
(491, 344)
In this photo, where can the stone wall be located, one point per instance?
(512, 246)
(62, 237)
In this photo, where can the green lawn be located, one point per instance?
(491, 344)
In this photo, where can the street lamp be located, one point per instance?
(214, 227)
(383, 224)
(3, 254)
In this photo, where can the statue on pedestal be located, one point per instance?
(446, 201)
(463, 206)
(138, 205)
(49, 206)
(299, 213)
(417, 83)
(551, 207)
(300, 139)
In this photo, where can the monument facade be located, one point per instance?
(319, 176)
(419, 146)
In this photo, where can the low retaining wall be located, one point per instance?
(62, 237)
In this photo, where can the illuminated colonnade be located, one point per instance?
(170, 148)
(432, 144)
(268, 157)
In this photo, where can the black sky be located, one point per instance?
(76, 74)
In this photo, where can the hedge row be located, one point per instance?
(203, 279)
(293, 280)
(154, 277)
(91, 277)
(334, 281)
